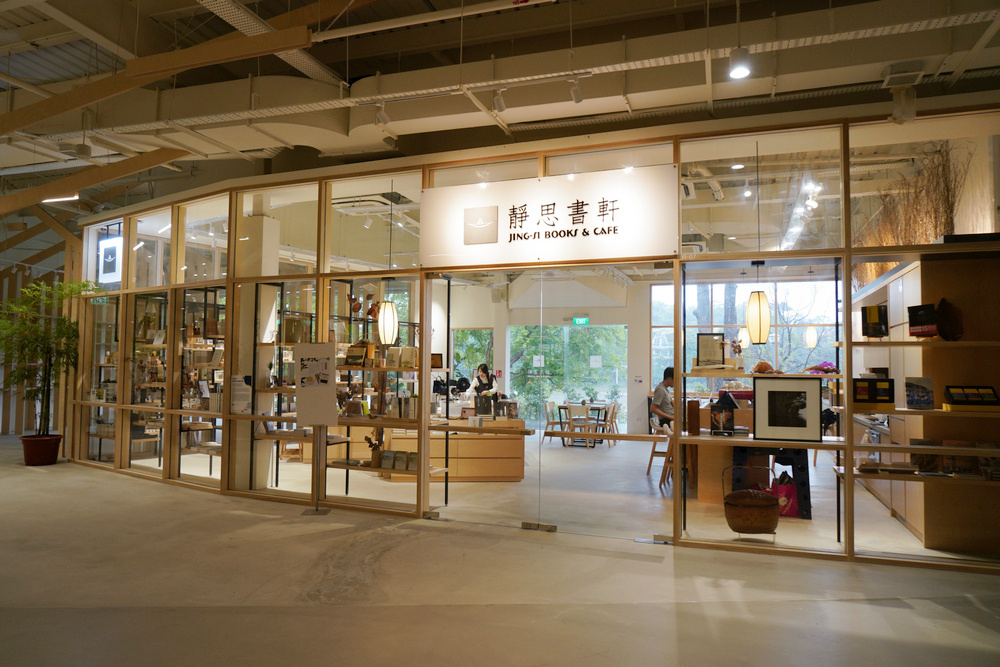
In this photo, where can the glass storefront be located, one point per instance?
(190, 371)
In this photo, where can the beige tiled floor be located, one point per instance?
(106, 569)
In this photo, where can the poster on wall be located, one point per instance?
(316, 386)
(109, 269)
(621, 214)
(239, 396)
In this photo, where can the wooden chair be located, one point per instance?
(667, 455)
(580, 419)
(611, 421)
(552, 420)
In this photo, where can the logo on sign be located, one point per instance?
(480, 225)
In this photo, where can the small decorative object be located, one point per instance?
(874, 321)
(874, 392)
(971, 398)
(375, 444)
(736, 346)
(723, 419)
(920, 393)
(923, 320)
(787, 409)
(710, 350)
(763, 367)
(437, 360)
(822, 368)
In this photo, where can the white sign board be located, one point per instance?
(315, 384)
(606, 215)
(239, 396)
(596, 361)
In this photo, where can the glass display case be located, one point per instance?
(149, 359)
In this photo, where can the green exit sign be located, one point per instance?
(581, 320)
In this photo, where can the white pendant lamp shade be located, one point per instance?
(744, 338)
(811, 337)
(758, 318)
(388, 323)
(739, 63)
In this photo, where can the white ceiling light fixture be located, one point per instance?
(381, 116)
(53, 200)
(737, 166)
(498, 104)
(739, 58)
(575, 92)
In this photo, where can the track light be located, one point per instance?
(498, 104)
(368, 222)
(381, 116)
(739, 63)
(574, 90)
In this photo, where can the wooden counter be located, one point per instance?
(473, 457)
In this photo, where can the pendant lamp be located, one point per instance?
(811, 337)
(758, 311)
(758, 318)
(388, 323)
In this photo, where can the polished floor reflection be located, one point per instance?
(108, 569)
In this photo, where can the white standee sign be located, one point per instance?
(316, 384)
(605, 215)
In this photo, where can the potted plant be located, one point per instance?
(39, 344)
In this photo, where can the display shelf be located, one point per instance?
(893, 410)
(102, 437)
(956, 344)
(155, 346)
(380, 369)
(434, 470)
(917, 477)
(718, 373)
(278, 390)
(828, 443)
(155, 385)
(928, 449)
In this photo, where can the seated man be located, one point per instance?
(662, 406)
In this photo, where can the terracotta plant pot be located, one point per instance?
(41, 450)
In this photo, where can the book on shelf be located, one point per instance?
(874, 321)
(412, 461)
(926, 462)
(923, 320)
(408, 357)
(920, 393)
(388, 459)
(400, 460)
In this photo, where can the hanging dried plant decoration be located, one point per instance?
(918, 208)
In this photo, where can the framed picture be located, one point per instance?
(217, 376)
(787, 409)
(710, 349)
(109, 270)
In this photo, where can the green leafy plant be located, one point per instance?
(39, 342)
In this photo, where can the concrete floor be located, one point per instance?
(104, 569)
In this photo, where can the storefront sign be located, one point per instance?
(608, 215)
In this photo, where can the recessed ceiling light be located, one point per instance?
(738, 166)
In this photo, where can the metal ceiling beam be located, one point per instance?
(87, 178)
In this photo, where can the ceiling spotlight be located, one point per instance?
(498, 104)
(812, 203)
(747, 192)
(381, 116)
(368, 222)
(738, 166)
(574, 90)
(739, 63)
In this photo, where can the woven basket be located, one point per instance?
(751, 511)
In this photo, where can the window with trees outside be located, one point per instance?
(471, 347)
(568, 363)
(795, 306)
